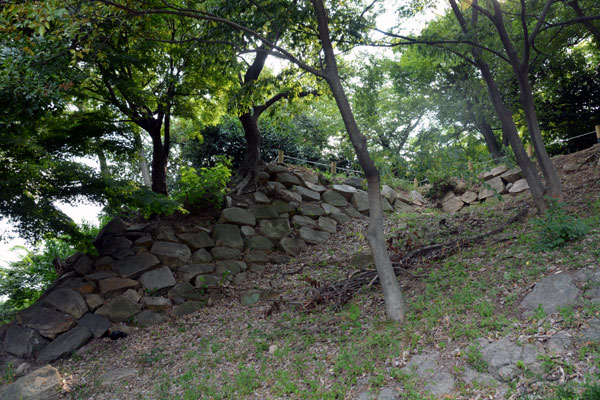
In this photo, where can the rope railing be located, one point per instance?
(334, 168)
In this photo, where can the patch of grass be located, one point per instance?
(557, 227)
(151, 357)
(475, 358)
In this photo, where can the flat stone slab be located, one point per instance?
(133, 266)
(96, 324)
(315, 187)
(360, 201)
(313, 236)
(188, 307)
(469, 197)
(261, 198)
(299, 221)
(46, 321)
(238, 216)
(417, 198)
(225, 253)
(228, 235)
(264, 211)
(519, 186)
(116, 375)
(148, 318)
(158, 280)
(283, 207)
(65, 344)
(201, 256)
(114, 245)
(307, 194)
(307, 178)
(289, 196)
(340, 218)
(189, 272)
(311, 210)
(334, 199)
(196, 240)
(352, 212)
(110, 285)
(43, 383)
(552, 292)
(452, 205)
(230, 266)
(503, 356)
(427, 368)
(491, 188)
(257, 257)
(287, 179)
(327, 224)
(512, 175)
(94, 301)
(83, 265)
(389, 193)
(276, 228)
(68, 301)
(154, 303)
(119, 309)
(171, 254)
(22, 342)
(259, 243)
(345, 190)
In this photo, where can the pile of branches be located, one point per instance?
(341, 292)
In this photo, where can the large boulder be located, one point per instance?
(512, 175)
(238, 216)
(189, 272)
(158, 280)
(259, 243)
(307, 178)
(417, 198)
(119, 309)
(315, 187)
(353, 181)
(41, 384)
(299, 221)
(83, 265)
(228, 235)
(282, 207)
(65, 344)
(116, 246)
(289, 196)
(22, 342)
(276, 228)
(196, 240)
(68, 301)
(491, 188)
(133, 266)
(469, 197)
(201, 256)
(225, 253)
(46, 321)
(172, 254)
(453, 204)
(389, 193)
(499, 170)
(327, 224)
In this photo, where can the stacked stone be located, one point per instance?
(145, 272)
(498, 181)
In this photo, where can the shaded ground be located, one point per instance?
(460, 304)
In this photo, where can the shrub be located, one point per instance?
(126, 198)
(440, 184)
(206, 187)
(557, 227)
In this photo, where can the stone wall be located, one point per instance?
(146, 273)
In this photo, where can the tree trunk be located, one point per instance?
(490, 141)
(551, 176)
(392, 293)
(252, 153)
(102, 162)
(142, 160)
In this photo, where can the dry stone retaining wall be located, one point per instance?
(145, 273)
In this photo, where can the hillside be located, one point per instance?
(474, 328)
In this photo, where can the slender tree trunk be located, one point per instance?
(551, 176)
(142, 160)
(490, 141)
(102, 162)
(392, 293)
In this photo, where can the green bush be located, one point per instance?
(440, 184)
(129, 198)
(557, 227)
(205, 187)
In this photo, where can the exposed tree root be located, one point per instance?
(339, 293)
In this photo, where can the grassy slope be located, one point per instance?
(280, 349)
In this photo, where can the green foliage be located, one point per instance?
(475, 359)
(205, 187)
(557, 227)
(440, 184)
(23, 281)
(127, 198)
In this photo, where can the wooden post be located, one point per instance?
(470, 166)
(529, 150)
(333, 168)
(280, 157)
(416, 183)
(598, 133)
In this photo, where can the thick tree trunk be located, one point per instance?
(159, 167)
(395, 308)
(249, 166)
